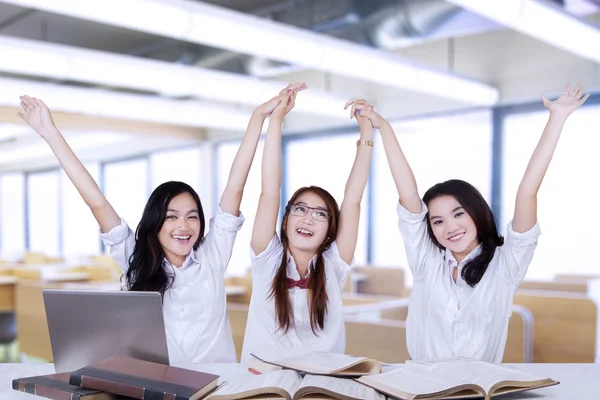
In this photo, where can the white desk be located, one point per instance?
(577, 381)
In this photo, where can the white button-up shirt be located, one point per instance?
(448, 319)
(263, 336)
(195, 307)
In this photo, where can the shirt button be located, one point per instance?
(182, 309)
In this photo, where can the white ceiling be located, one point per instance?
(237, 78)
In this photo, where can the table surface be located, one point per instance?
(577, 381)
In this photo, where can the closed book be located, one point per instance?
(144, 380)
(57, 387)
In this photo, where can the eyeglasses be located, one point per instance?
(319, 214)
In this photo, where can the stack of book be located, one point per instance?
(312, 375)
(121, 378)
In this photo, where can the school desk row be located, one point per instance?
(557, 320)
(546, 326)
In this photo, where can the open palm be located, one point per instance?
(36, 114)
(569, 100)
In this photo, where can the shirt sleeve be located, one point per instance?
(517, 252)
(121, 241)
(342, 268)
(269, 260)
(218, 243)
(419, 247)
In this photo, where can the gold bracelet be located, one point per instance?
(365, 142)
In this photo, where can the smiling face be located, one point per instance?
(453, 228)
(180, 229)
(307, 222)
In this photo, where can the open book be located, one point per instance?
(290, 385)
(323, 363)
(452, 379)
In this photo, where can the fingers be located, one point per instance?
(575, 90)
(579, 92)
(349, 102)
(364, 109)
(293, 87)
(292, 100)
(545, 100)
(581, 101)
(567, 89)
(358, 106)
(27, 103)
(23, 117)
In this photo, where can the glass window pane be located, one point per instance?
(80, 231)
(225, 153)
(43, 212)
(437, 149)
(126, 188)
(570, 180)
(12, 215)
(326, 162)
(182, 165)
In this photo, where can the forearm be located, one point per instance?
(359, 174)
(238, 175)
(77, 173)
(542, 156)
(271, 161)
(401, 171)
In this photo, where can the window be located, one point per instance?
(12, 215)
(437, 149)
(326, 162)
(126, 188)
(80, 231)
(225, 153)
(569, 186)
(43, 215)
(182, 165)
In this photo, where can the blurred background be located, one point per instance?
(150, 91)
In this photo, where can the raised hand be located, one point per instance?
(288, 101)
(569, 100)
(362, 111)
(267, 108)
(37, 115)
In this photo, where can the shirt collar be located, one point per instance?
(190, 259)
(451, 261)
(292, 272)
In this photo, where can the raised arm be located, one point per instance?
(347, 232)
(525, 215)
(232, 195)
(37, 115)
(401, 171)
(268, 204)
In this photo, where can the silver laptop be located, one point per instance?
(86, 326)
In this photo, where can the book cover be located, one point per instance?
(57, 387)
(144, 380)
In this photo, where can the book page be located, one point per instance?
(480, 373)
(285, 379)
(345, 387)
(411, 380)
(320, 362)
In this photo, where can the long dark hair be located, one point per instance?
(317, 289)
(146, 272)
(479, 210)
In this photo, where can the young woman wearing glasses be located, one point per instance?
(298, 277)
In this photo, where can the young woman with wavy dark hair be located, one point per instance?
(298, 277)
(465, 274)
(169, 253)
